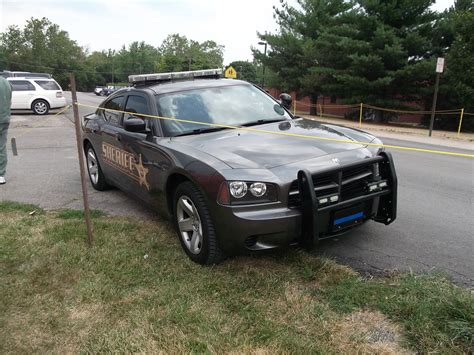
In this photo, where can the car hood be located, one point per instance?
(249, 149)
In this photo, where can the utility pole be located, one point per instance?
(265, 54)
(439, 70)
(113, 81)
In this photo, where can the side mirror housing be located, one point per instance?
(135, 124)
(286, 100)
(90, 116)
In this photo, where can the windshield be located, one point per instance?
(236, 105)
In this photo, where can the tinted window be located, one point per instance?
(21, 85)
(114, 104)
(136, 104)
(48, 84)
(230, 105)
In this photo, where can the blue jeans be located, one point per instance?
(3, 147)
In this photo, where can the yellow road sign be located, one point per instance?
(230, 73)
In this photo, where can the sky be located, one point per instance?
(106, 24)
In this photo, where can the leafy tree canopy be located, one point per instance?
(178, 53)
(42, 46)
(375, 51)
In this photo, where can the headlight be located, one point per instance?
(238, 189)
(258, 189)
(246, 192)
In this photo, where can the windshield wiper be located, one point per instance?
(255, 123)
(200, 130)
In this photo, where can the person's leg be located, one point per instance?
(3, 148)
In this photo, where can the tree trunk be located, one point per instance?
(313, 109)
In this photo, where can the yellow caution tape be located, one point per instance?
(251, 129)
(437, 112)
(325, 106)
(64, 109)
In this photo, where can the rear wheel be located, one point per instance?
(194, 225)
(95, 172)
(40, 107)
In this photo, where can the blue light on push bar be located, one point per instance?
(348, 218)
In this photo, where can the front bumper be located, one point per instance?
(269, 226)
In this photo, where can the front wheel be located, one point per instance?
(194, 225)
(95, 172)
(40, 107)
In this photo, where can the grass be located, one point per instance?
(135, 291)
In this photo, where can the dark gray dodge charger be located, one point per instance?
(230, 190)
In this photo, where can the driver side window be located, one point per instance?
(113, 117)
(136, 105)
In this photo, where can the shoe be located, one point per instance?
(2, 180)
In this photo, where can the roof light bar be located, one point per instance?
(181, 75)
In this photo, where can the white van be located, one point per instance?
(36, 94)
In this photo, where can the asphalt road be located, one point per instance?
(434, 230)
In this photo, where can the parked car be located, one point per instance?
(36, 94)
(227, 190)
(98, 90)
(107, 90)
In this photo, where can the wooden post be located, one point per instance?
(80, 155)
(320, 111)
(360, 114)
(14, 149)
(460, 121)
(433, 108)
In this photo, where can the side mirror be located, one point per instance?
(135, 124)
(90, 116)
(286, 100)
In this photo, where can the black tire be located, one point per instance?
(40, 107)
(209, 252)
(96, 178)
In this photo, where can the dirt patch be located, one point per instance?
(367, 331)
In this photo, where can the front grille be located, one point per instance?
(348, 182)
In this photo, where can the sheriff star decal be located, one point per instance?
(126, 163)
(142, 173)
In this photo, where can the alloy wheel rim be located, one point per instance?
(189, 223)
(92, 166)
(40, 107)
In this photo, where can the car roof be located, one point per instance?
(29, 78)
(181, 85)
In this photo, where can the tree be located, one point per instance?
(138, 58)
(293, 56)
(375, 51)
(178, 53)
(245, 70)
(457, 82)
(41, 46)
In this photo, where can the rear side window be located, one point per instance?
(22, 85)
(136, 105)
(115, 104)
(48, 84)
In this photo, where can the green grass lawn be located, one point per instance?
(136, 291)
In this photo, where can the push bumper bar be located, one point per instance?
(387, 208)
